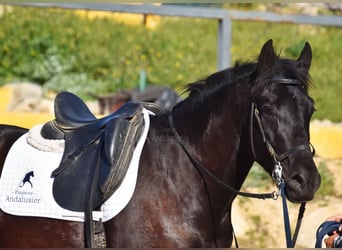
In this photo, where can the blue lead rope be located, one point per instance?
(325, 228)
(289, 243)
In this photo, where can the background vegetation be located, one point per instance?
(65, 51)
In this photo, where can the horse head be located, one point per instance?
(280, 116)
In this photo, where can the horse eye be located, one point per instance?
(266, 109)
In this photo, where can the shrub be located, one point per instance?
(60, 50)
(64, 51)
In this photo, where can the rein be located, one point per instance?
(276, 174)
(277, 171)
(273, 195)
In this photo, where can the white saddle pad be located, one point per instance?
(26, 183)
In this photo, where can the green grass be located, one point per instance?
(257, 232)
(327, 181)
(290, 39)
(258, 178)
(62, 51)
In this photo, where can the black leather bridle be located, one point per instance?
(277, 158)
(276, 173)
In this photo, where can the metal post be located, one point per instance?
(224, 42)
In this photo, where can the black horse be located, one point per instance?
(252, 112)
(27, 179)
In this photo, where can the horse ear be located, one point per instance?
(267, 57)
(305, 57)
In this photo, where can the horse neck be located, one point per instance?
(213, 131)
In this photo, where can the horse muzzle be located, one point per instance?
(302, 183)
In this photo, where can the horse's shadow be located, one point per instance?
(26, 179)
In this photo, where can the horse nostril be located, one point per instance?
(299, 180)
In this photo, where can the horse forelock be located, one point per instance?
(293, 72)
(284, 68)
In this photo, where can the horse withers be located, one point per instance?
(251, 112)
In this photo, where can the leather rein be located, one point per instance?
(276, 173)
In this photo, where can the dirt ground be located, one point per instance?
(259, 223)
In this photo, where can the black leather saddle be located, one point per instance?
(97, 152)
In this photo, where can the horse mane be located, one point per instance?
(217, 80)
(286, 68)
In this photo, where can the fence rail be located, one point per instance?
(224, 18)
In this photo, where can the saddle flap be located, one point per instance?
(76, 142)
(76, 172)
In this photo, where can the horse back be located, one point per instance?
(8, 135)
(28, 231)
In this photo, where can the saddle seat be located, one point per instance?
(97, 152)
(71, 113)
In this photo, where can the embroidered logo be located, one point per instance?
(27, 179)
(22, 194)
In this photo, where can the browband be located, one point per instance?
(287, 81)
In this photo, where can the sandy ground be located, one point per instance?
(259, 223)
